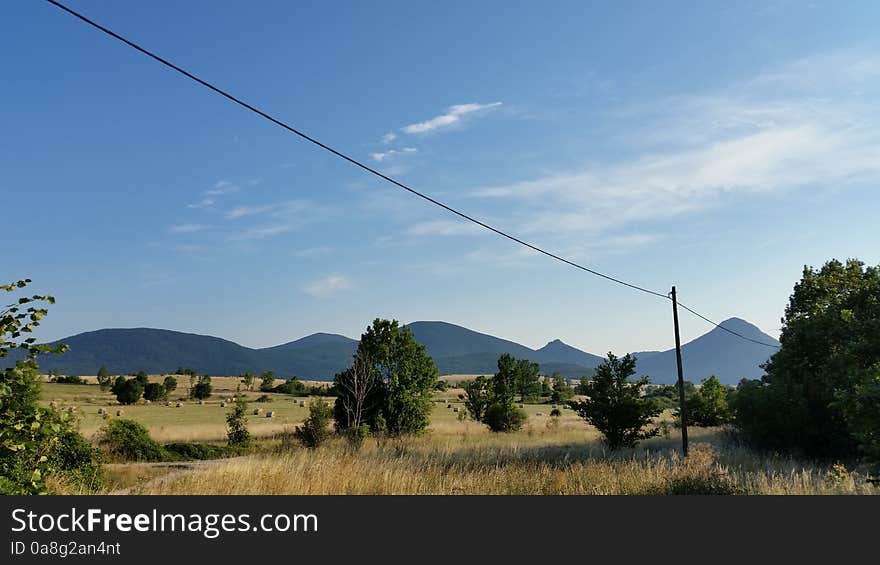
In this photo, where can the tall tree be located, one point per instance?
(478, 397)
(104, 378)
(267, 381)
(615, 405)
(247, 379)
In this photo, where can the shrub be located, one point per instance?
(237, 433)
(128, 440)
(504, 417)
(154, 391)
(169, 384)
(202, 388)
(197, 451)
(69, 380)
(128, 391)
(314, 430)
(291, 386)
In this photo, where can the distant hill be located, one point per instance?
(716, 353)
(455, 349)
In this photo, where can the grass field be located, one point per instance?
(454, 457)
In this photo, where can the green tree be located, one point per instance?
(404, 376)
(247, 379)
(615, 405)
(34, 442)
(478, 397)
(202, 389)
(154, 392)
(237, 434)
(813, 396)
(169, 383)
(267, 381)
(129, 391)
(707, 406)
(104, 378)
(501, 415)
(315, 430)
(142, 377)
(562, 391)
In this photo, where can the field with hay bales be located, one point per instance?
(550, 455)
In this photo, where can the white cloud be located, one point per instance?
(242, 211)
(379, 157)
(261, 232)
(203, 203)
(222, 187)
(328, 285)
(188, 228)
(389, 137)
(452, 116)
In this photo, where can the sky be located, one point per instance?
(716, 146)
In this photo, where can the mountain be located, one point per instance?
(455, 349)
(716, 353)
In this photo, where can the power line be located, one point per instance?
(373, 171)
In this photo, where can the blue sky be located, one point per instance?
(716, 146)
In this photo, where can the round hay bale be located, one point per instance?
(539, 413)
(101, 410)
(449, 405)
(455, 409)
(258, 411)
(302, 404)
(178, 405)
(270, 414)
(201, 402)
(222, 405)
(120, 413)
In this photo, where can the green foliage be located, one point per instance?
(501, 417)
(198, 451)
(398, 378)
(819, 392)
(128, 391)
(478, 397)
(707, 406)
(583, 386)
(69, 380)
(521, 375)
(291, 386)
(169, 383)
(127, 440)
(615, 405)
(237, 433)
(441, 386)
(315, 430)
(202, 388)
(105, 381)
(154, 392)
(247, 379)
(562, 391)
(185, 371)
(267, 381)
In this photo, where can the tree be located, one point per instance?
(500, 414)
(314, 430)
(267, 381)
(169, 384)
(478, 397)
(34, 442)
(104, 378)
(142, 377)
(707, 406)
(615, 405)
(522, 375)
(237, 434)
(813, 396)
(202, 389)
(401, 401)
(128, 391)
(356, 399)
(154, 391)
(247, 379)
(583, 385)
(562, 391)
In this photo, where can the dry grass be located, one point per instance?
(541, 463)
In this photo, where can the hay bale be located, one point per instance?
(258, 411)
(449, 405)
(302, 404)
(270, 414)
(521, 406)
(222, 405)
(120, 413)
(102, 410)
(146, 402)
(455, 409)
(201, 402)
(167, 403)
(178, 405)
(71, 409)
(539, 413)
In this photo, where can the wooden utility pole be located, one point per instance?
(681, 406)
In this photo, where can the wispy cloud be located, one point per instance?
(452, 116)
(379, 157)
(278, 218)
(328, 286)
(222, 187)
(203, 203)
(188, 228)
(389, 137)
(242, 211)
(261, 232)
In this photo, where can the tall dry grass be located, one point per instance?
(545, 463)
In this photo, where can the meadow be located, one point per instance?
(549, 455)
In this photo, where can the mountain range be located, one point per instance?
(455, 349)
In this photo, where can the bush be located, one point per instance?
(128, 391)
(198, 451)
(69, 380)
(154, 391)
(314, 430)
(237, 433)
(290, 386)
(202, 389)
(128, 440)
(504, 417)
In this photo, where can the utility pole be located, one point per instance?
(681, 407)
